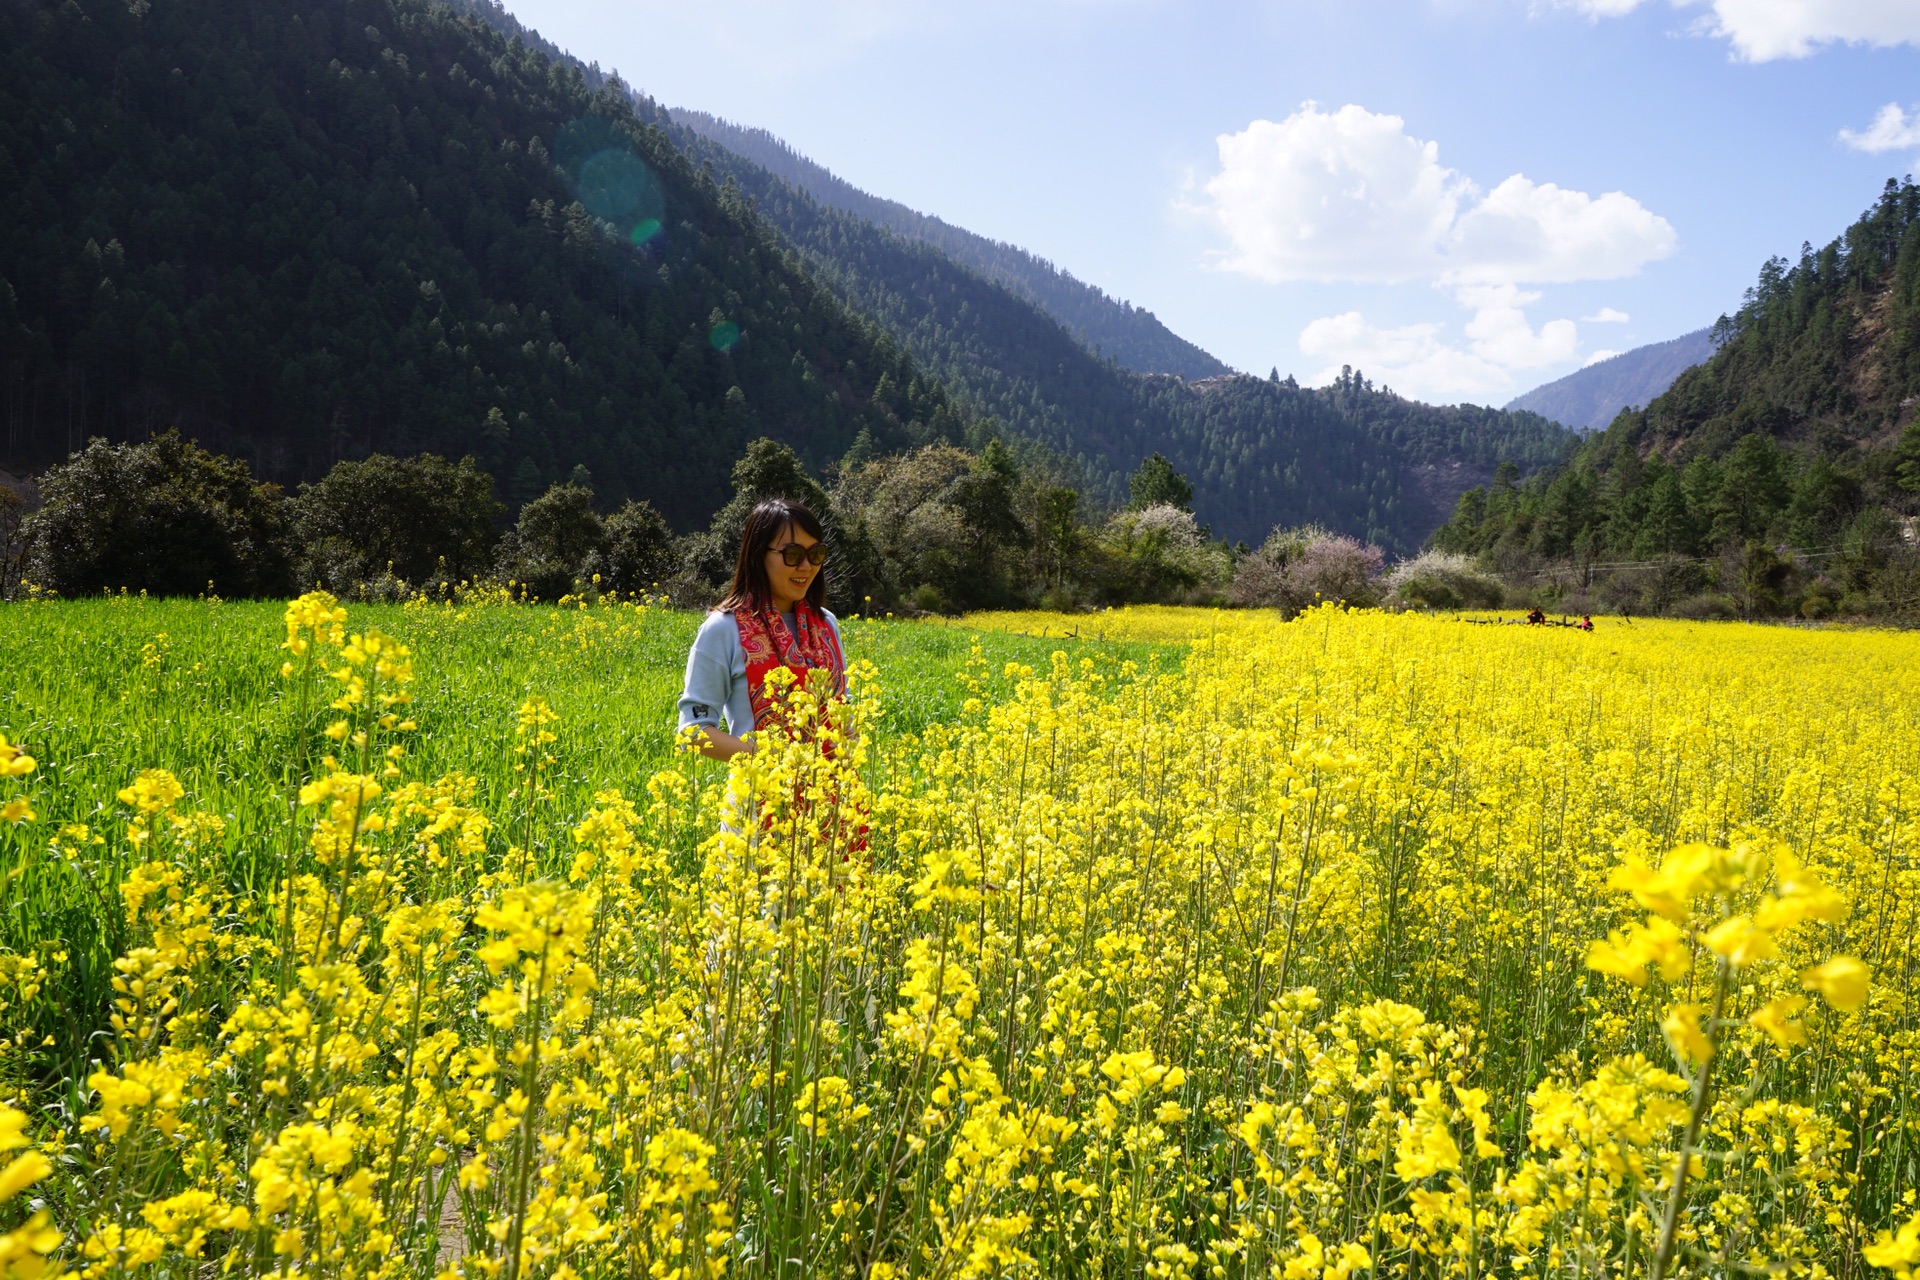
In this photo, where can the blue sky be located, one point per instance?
(1460, 197)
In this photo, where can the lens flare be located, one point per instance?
(618, 186)
(724, 336)
(609, 179)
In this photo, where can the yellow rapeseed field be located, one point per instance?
(1357, 945)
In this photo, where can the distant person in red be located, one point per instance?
(1586, 622)
(1536, 619)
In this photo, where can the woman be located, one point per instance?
(773, 615)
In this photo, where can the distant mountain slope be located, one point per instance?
(1589, 399)
(1131, 335)
(302, 230)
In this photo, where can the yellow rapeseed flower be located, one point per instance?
(1741, 941)
(1776, 1019)
(26, 1251)
(1897, 1251)
(14, 762)
(1683, 1031)
(154, 791)
(1843, 980)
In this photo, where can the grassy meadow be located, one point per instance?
(400, 941)
(100, 689)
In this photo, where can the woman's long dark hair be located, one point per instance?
(750, 588)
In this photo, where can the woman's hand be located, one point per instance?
(723, 746)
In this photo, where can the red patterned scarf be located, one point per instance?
(768, 644)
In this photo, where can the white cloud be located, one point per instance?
(1597, 357)
(1500, 334)
(1349, 195)
(1547, 234)
(1417, 359)
(1606, 315)
(1349, 339)
(1892, 130)
(1412, 359)
(1762, 30)
(1346, 195)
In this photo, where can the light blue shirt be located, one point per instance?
(717, 675)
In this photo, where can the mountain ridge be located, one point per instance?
(1588, 399)
(1132, 336)
(428, 233)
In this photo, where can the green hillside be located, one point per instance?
(1131, 336)
(305, 232)
(1799, 432)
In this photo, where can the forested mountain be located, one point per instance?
(1260, 451)
(1587, 399)
(309, 229)
(1132, 336)
(1801, 429)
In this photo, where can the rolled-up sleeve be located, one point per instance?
(716, 684)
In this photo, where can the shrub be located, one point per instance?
(939, 518)
(639, 553)
(1258, 578)
(1427, 593)
(1653, 586)
(1442, 580)
(556, 543)
(412, 520)
(1756, 577)
(1705, 607)
(1296, 568)
(1340, 569)
(1159, 553)
(165, 517)
(1815, 605)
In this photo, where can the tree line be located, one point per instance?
(934, 529)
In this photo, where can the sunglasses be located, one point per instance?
(793, 553)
